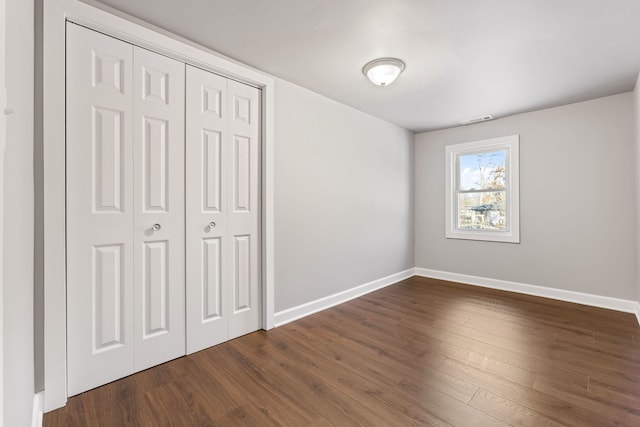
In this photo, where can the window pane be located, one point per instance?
(482, 211)
(482, 171)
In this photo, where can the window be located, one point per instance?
(482, 190)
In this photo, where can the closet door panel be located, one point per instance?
(99, 209)
(158, 194)
(207, 188)
(244, 215)
(134, 210)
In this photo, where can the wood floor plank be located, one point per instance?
(509, 411)
(445, 407)
(624, 390)
(466, 351)
(420, 352)
(246, 416)
(526, 306)
(240, 375)
(534, 355)
(362, 388)
(174, 402)
(625, 411)
(553, 408)
(624, 339)
(312, 391)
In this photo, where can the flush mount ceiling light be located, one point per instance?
(383, 71)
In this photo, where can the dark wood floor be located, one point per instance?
(421, 352)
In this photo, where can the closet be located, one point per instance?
(163, 208)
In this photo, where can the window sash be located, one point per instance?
(493, 190)
(482, 150)
(507, 217)
(509, 214)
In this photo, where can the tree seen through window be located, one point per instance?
(482, 195)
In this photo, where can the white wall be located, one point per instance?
(343, 197)
(577, 192)
(17, 223)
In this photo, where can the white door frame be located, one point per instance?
(56, 14)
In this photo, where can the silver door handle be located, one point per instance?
(212, 225)
(156, 227)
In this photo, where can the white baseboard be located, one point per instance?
(289, 315)
(300, 311)
(36, 414)
(627, 306)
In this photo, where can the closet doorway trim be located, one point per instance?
(106, 20)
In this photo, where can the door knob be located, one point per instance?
(212, 225)
(156, 227)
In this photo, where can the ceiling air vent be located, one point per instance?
(477, 120)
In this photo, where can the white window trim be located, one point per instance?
(511, 144)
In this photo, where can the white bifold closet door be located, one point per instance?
(125, 209)
(223, 209)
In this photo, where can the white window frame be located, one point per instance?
(511, 144)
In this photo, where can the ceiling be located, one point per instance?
(464, 58)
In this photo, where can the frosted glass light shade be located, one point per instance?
(383, 71)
